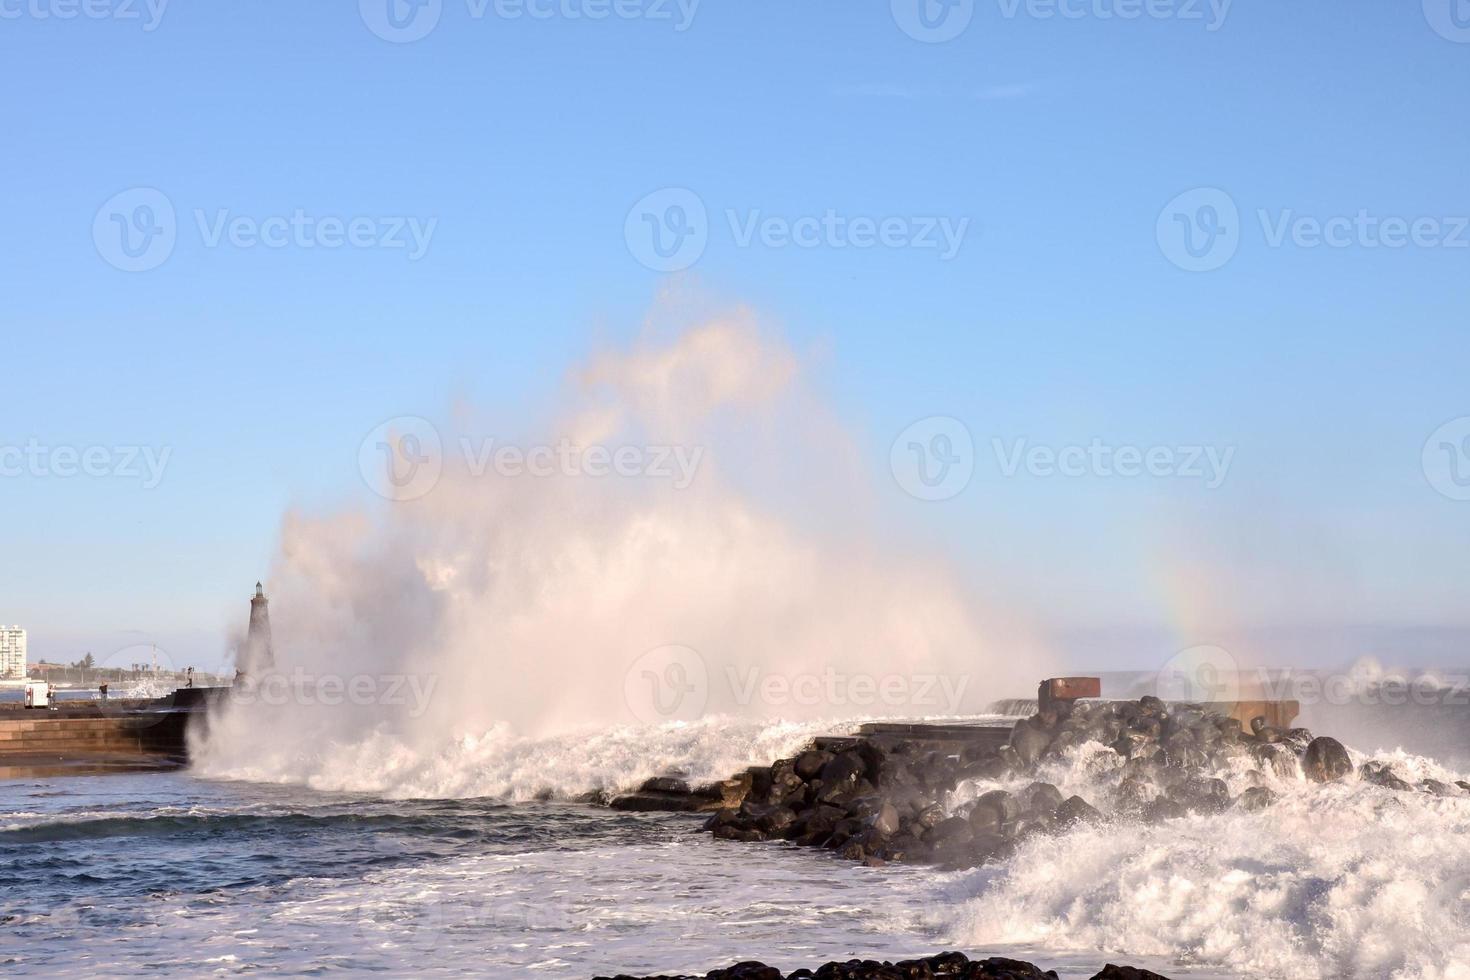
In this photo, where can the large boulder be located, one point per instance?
(1326, 761)
(809, 764)
(994, 812)
(1029, 740)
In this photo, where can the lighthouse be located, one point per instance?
(259, 655)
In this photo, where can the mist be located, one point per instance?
(726, 557)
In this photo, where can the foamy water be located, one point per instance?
(1345, 880)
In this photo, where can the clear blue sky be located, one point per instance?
(1061, 319)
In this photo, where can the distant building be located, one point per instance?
(259, 654)
(12, 652)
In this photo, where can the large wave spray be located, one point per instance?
(526, 606)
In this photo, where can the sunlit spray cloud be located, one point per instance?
(554, 603)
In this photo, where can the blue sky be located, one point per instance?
(1061, 319)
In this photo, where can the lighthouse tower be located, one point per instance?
(259, 654)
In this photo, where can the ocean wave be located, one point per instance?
(1338, 880)
(501, 764)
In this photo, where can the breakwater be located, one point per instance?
(94, 737)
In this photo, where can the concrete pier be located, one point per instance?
(96, 737)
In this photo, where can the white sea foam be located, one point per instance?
(1344, 880)
(499, 763)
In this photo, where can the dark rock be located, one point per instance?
(929, 818)
(1111, 972)
(1436, 787)
(809, 764)
(1277, 759)
(847, 767)
(1201, 794)
(1041, 798)
(994, 811)
(1163, 809)
(1381, 775)
(950, 831)
(1074, 810)
(885, 820)
(750, 970)
(1029, 741)
(1326, 760)
(1256, 798)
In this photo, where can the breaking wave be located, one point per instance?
(1339, 880)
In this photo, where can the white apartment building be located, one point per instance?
(12, 652)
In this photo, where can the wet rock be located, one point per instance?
(809, 765)
(1075, 810)
(885, 820)
(1029, 740)
(1041, 798)
(847, 767)
(994, 811)
(1298, 739)
(1326, 760)
(929, 818)
(1436, 787)
(1133, 795)
(1201, 794)
(946, 833)
(1256, 798)
(749, 970)
(1111, 972)
(1163, 809)
(1381, 775)
(1278, 760)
